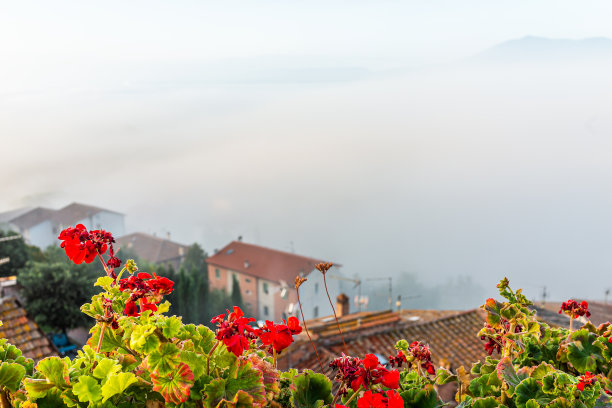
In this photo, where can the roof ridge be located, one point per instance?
(268, 249)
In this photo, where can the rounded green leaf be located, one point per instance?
(87, 389)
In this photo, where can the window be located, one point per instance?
(247, 280)
(217, 274)
(316, 288)
(266, 311)
(247, 292)
(265, 288)
(315, 312)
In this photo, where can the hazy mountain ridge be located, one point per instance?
(541, 49)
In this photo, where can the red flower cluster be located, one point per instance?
(574, 309)
(279, 336)
(497, 337)
(389, 399)
(235, 332)
(367, 372)
(83, 246)
(148, 290)
(586, 379)
(419, 352)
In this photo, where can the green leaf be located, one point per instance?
(493, 309)
(311, 390)
(105, 368)
(37, 388)
(444, 377)
(216, 395)
(242, 377)
(164, 359)
(116, 384)
(87, 390)
(175, 386)
(104, 282)
(196, 362)
(171, 326)
(110, 342)
(425, 397)
(138, 339)
(11, 375)
(529, 389)
(488, 402)
(532, 404)
(584, 352)
(55, 371)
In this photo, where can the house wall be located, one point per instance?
(41, 235)
(314, 299)
(266, 292)
(214, 282)
(248, 290)
(108, 221)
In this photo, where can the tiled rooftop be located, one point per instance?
(451, 335)
(22, 332)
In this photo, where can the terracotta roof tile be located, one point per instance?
(262, 262)
(452, 339)
(23, 332)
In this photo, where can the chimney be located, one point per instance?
(246, 264)
(168, 235)
(342, 305)
(239, 238)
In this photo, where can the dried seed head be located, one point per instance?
(299, 280)
(324, 266)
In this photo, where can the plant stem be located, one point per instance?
(108, 273)
(274, 355)
(571, 322)
(354, 395)
(210, 355)
(333, 404)
(306, 329)
(334, 310)
(101, 337)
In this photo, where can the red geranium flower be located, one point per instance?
(83, 246)
(277, 336)
(574, 309)
(148, 290)
(372, 372)
(371, 399)
(586, 379)
(389, 399)
(294, 325)
(235, 332)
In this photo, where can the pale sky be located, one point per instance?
(349, 130)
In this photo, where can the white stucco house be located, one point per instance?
(41, 226)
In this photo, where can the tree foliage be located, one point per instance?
(57, 308)
(17, 252)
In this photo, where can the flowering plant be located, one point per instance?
(137, 356)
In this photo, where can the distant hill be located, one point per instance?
(539, 49)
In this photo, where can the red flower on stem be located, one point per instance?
(574, 309)
(586, 379)
(279, 336)
(235, 332)
(389, 399)
(83, 246)
(145, 289)
(420, 353)
(372, 372)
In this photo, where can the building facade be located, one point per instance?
(41, 226)
(267, 281)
